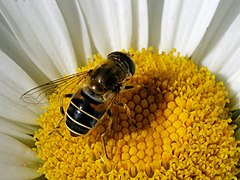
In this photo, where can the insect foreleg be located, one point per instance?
(125, 106)
(129, 114)
(126, 88)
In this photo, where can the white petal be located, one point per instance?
(224, 59)
(155, 17)
(77, 29)
(22, 132)
(236, 103)
(184, 24)
(15, 112)
(19, 127)
(225, 14)
(10, 46)
(14, 82)
(17, 161)
(42, 33)
(109, 22)
(140, 24)
(22, 137)
(9, 172)
(31, 128)
(13, 76)
(233, 87)
(11, 147)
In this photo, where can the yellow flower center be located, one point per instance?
(177, 128)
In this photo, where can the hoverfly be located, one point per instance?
(97, 91)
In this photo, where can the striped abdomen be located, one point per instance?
(81, 117)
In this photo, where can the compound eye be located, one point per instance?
(124, 58)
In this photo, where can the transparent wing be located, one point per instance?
(40, 94)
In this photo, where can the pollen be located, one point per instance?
(175, 125)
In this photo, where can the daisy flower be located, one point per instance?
(185, 52)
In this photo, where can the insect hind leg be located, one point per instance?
(63, 114)
(61, 102)
(56, 128)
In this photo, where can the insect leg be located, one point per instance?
(129, 115)
(125, 106)
(56, 128)
(103, 136)
(134, 87)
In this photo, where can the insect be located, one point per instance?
(98, 90)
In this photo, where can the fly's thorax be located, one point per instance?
(108, 77)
